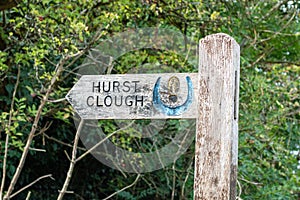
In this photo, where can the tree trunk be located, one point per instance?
(7, 4)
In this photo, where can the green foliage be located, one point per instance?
(38, 34)
(272, 134)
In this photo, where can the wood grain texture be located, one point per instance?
(119, 96)
(217, 126)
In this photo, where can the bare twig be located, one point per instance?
(293, 112)
(67, 192)
(251, 182)
(132, 184)
(68, 155)
(45, 128)
(97, 36)
(35, 149)
(57, 73)
(52, 63)
(240, 188)
(28, 195)
(263, 55)
(32, 183)
(281, 62)
(72, 192)
(7, 134)
(54, 101)
(283, 34)
(283, 27)
(186, 178)
(34, 128)
(275, 7)
(72, 163)
(61, 142)
(107, 137)
(174, 182)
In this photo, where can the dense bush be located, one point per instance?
(43, 42)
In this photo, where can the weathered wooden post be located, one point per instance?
(210, 96)
(217, 121)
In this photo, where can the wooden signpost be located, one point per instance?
(216, 153)
(131, 96)
(210, 96)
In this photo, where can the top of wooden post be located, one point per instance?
(221, 36)
(217, 132)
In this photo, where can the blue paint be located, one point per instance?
(168, 110)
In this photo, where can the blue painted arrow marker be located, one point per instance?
(168, 110)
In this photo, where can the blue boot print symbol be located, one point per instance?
(169, 110)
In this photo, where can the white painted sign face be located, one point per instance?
(135, 96)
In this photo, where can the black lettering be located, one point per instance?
(105, 101)
(97, 100)
(135, 85)
(108, 87)
(128, 102)
(121, 101)
(87, 101)
(141, 100)
(116, 85)
(96, 86)
(127, 85)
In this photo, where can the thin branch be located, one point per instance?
(35, 149)
(98, 35)
(54, 101)
(52, 63)
(99, 143)
(72, 163)
(34, 128)
(61, 142)
(7, 133)
(283, 27)
(283, 34)
(275, 7)
(68, 192)
(72, 192)
(174, 182)
(68, 155)
(30, 184)
(264, 54)
(251, 182)
(43, 130)
(187, 176)
(58, 71)
(293, 112)
(132, 184)
(28, 195)
(281, 62)
(240, 188)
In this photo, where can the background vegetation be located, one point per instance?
(42, 42)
